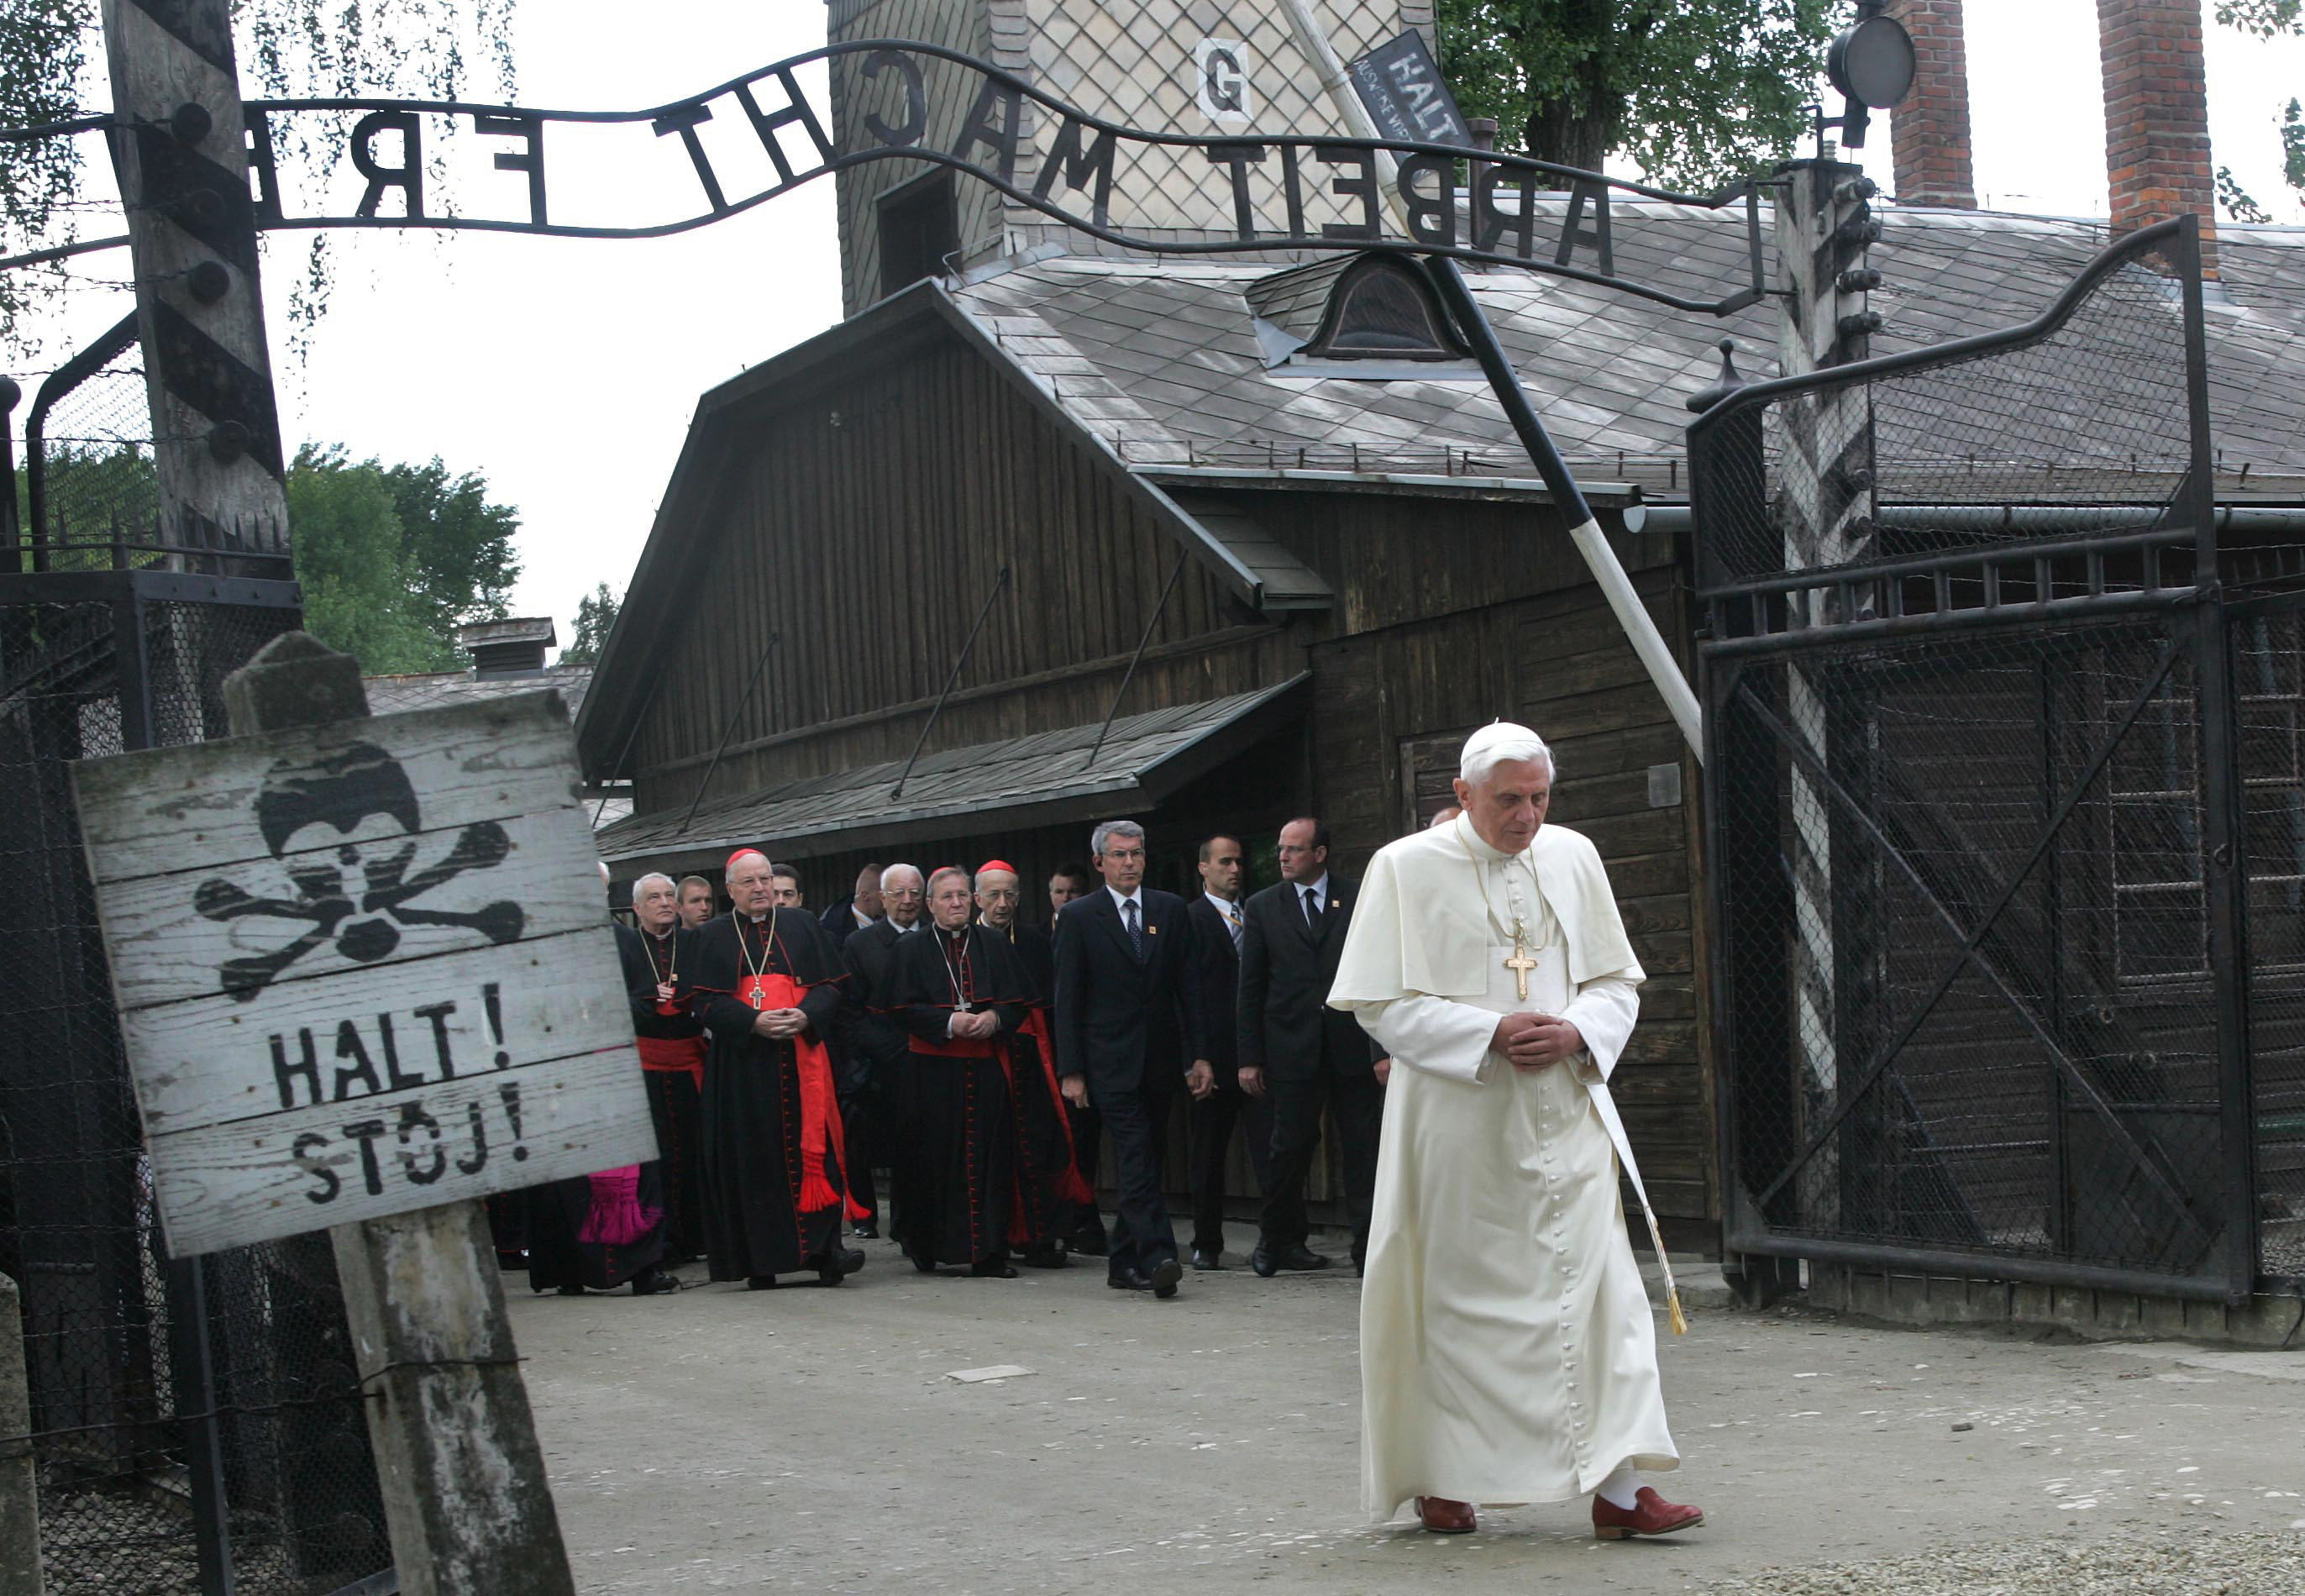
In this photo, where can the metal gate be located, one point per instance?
(197, 1425)
(2005, 854)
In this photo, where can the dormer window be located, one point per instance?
(1357, 318)
(1382, 310)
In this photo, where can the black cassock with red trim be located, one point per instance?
(771, 1166)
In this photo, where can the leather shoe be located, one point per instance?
(1262, 1262)
(651, 1282)
(1128, 1280)
(1301, 1257)
(993, 1269)
(834, 1267)
(869, 1230)
(1443, 1516)
(1203, 1259)
(1164, 1278)
(1650, 1515)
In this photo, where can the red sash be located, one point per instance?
(1071, 1187)
(819, 1113)
(674, 1053)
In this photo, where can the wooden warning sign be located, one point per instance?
(362, 968)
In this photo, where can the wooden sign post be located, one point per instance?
(365, 975)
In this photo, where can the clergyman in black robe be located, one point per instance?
(962, 995)
(768, 989)
(660, 963)
(1053, 1187)
(598, 1231)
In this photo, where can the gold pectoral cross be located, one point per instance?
(1520, 965)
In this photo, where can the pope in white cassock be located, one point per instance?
(1507, 1350)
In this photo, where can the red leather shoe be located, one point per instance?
(1650, 1515)
(1443, 1516)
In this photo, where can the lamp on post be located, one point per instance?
(1872, 64)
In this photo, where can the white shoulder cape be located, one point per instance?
(1420, 927)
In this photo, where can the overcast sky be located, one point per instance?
(565, 371)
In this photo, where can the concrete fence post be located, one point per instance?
(19, 1505)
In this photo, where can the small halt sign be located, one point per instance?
(362, 968)
(1400, 86)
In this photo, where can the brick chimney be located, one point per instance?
(1930, 130)
(2157, 111)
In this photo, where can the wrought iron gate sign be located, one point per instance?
(1471, 204)
(362, 969)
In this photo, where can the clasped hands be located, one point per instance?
(1536, 1041)
(779, 1024)
(977, 1025)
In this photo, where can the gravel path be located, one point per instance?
(810, 1440)
(2199, 1565)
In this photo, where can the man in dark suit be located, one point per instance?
(1128, 1036)
(1217, 930)
(1070, 881)
(1307, 1055)
(844, 920)
(873, 1048)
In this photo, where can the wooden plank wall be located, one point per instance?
(1392, 709)
(865, 525)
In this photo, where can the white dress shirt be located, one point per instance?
(1229, 911)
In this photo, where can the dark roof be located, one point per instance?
(1038, 780)
(1158, 366)
(1163, 358)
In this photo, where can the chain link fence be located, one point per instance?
(92, 492)
(2008, 807)
(182, 1414)
(1968, 954)
(2074, 431)
(2268, 662)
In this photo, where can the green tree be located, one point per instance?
(42, 56)
(94, 492)
(458, 545)
(596, 618)
(361, 595)
(2266, 20)
(50, 70)
(1698, 93)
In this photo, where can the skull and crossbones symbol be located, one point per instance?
(345, 829)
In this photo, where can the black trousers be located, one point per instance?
(678, 1110)
(1138, 1123)
(870, 1126)
(860, 1130)
(1357, 1103)
(1212, 1121)
(1088, 1143)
